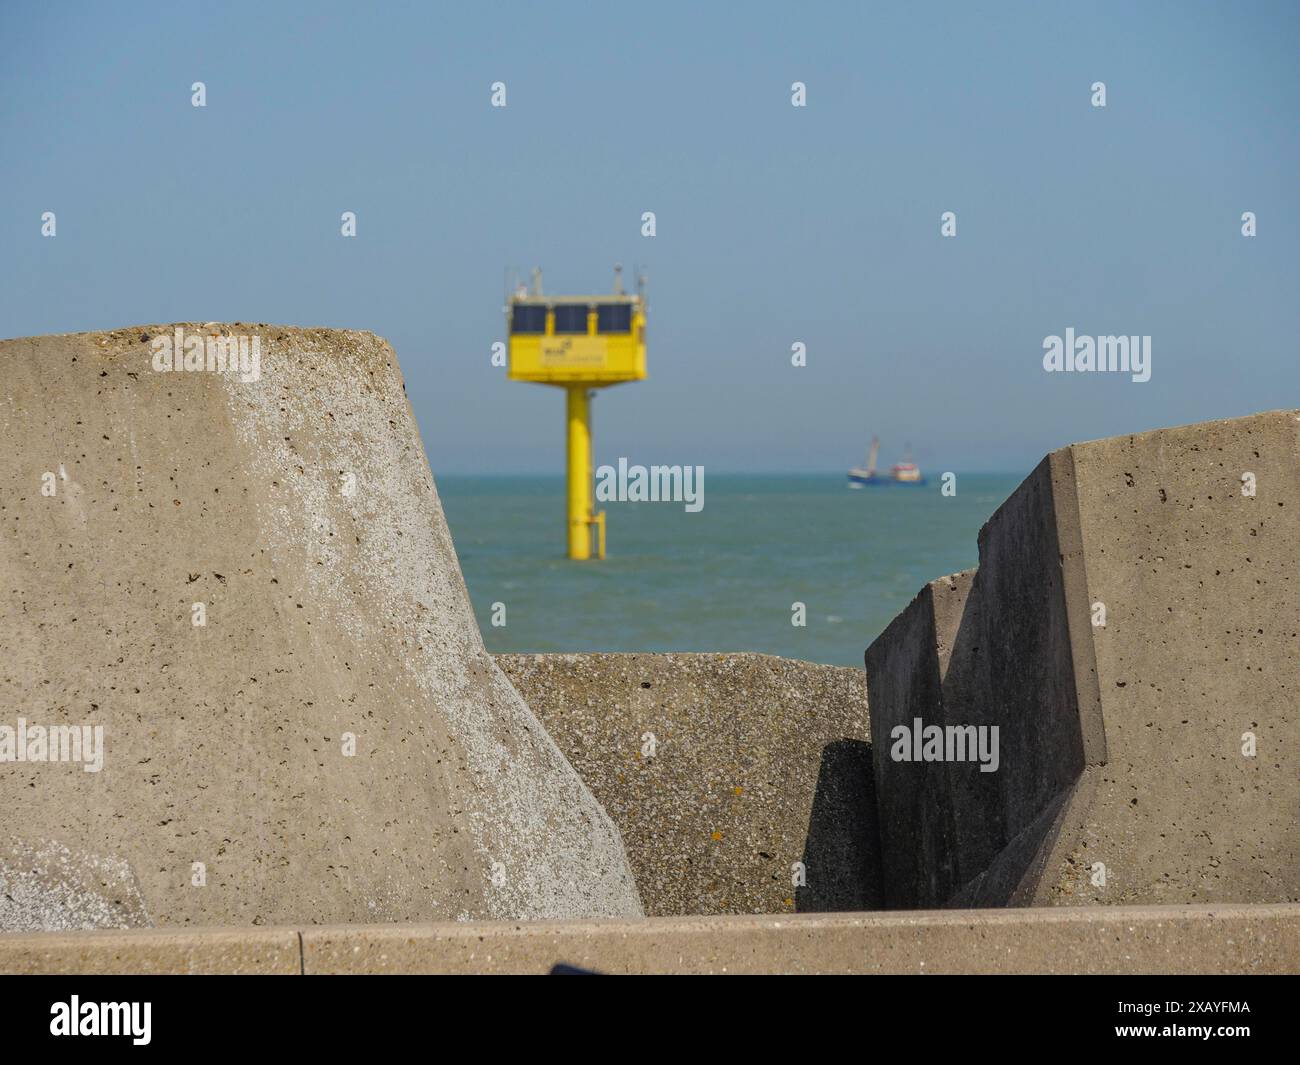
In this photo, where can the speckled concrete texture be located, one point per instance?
(1093, 940)
(1133, 630)
(758, 763)
(47, 885)
(1200, 655)
(297, 508)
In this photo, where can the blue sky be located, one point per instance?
(775, 224)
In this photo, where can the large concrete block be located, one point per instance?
(1198, 567)
(1130, 628)
(237, 576)
(757, 763)
(908, 668)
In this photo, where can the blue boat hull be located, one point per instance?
(878, 481)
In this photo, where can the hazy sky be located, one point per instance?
(775, 224)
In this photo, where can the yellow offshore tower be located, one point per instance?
(578, 343)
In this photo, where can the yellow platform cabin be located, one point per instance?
(578, 343)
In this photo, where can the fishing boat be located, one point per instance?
(903, 473)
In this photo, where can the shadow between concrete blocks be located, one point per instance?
(842, 849)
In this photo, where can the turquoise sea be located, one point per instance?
(722, 579)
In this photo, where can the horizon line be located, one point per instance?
(733, 473)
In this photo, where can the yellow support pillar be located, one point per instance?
(578, 418)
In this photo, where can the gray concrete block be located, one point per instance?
(759, 763)
(1199, 650)
(298, 509)
(1121, 745)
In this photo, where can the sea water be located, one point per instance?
(725, 578)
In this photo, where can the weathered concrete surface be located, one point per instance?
(299, 510)
(759, 763)
(1122, 743)
(1201, 646)
(1110, 939)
